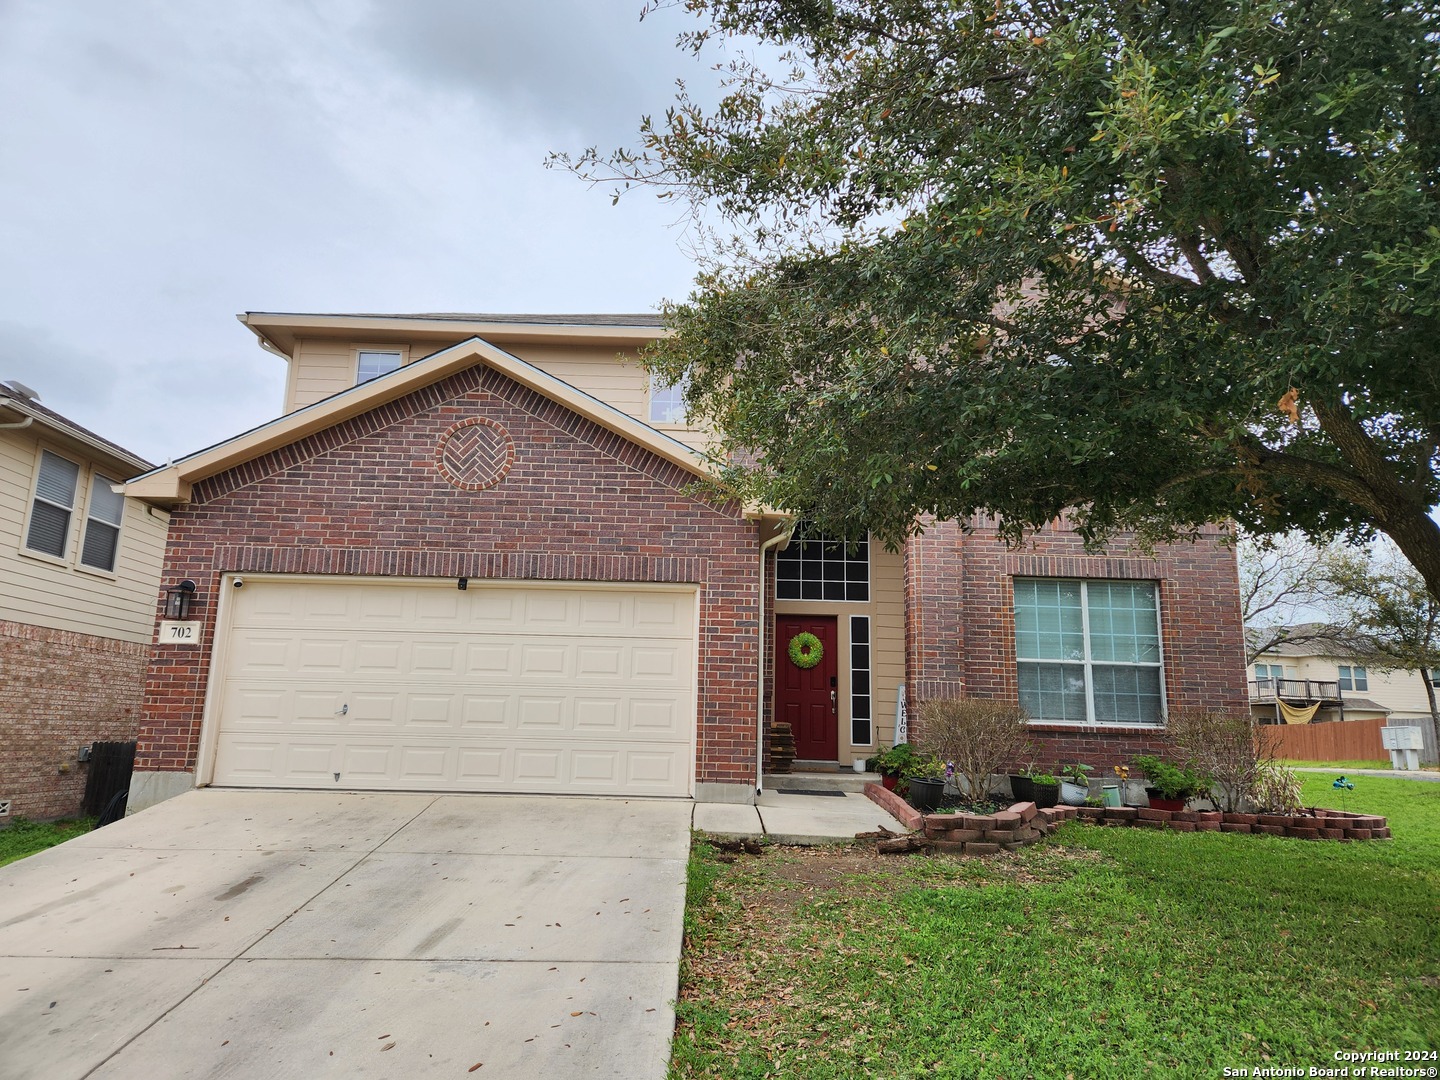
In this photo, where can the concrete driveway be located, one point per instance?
(291, 934)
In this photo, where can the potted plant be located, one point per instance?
(1045, 789)
(1170, 786)
(891, 763)
(1075, 784)
(1022, 788)
(925, 775)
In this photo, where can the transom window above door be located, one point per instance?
(823, 568)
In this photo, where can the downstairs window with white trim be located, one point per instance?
(1088, 652)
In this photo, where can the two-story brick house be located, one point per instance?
(474, 553)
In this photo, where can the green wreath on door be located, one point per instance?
(806, 651)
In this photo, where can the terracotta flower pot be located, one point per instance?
(1159, 802)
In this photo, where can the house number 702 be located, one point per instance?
(179, 633)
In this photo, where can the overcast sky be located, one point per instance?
(165, 164)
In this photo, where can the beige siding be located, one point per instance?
(323, 367)
(42, 591)
(599, 372)
(1402, 692)
(886, 609)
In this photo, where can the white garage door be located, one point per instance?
(420, 686)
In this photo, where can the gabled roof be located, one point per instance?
(171, 484)
(279, 330)
(100, 449)
(1309, 639)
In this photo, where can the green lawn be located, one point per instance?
(1340, 766)
(1102, 952)
(23, 837)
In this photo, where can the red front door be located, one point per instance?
(805, 698)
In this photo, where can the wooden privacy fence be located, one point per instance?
(1342, 740)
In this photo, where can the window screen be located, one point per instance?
(54, 503)
(1088, 651)
(102, 525)
(667, 403)
(372, 363)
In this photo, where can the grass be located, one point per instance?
(1102, 952)
(24, 837)
(1340, 766)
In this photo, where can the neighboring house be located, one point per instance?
(475, 554)
(79, 568)
(1313, 669)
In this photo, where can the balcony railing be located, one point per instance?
(1294, 689)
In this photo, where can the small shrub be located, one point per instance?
(979, 736)
(895, 761)
(1230, 748)
(1276, 789)
(1170, 780)
(924, 766)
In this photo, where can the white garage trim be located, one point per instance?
(406, 684)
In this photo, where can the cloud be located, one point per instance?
(53, 367)
(581, 69)
(168, 163)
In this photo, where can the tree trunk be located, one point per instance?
(1390, 505)
(1418, 538)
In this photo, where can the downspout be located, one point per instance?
(779, 539)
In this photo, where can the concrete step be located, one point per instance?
(848, 780)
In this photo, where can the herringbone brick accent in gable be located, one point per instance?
(475, 454)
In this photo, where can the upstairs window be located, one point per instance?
(103, 516)
(372, 363)
(54, 503)
(1353, 678)
(667, 403)
(1265, 672)
(822, 568)
(1088, 651)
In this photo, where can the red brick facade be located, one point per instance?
(960, 625)
(532, 491)
(61, 691)
(578, 503)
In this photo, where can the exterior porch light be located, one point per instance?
(177, 599)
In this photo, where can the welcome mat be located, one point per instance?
(804, 791)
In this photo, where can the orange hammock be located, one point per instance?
(1295, 715)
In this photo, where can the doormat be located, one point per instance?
(803, 791)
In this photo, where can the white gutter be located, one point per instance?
(779, 539)
(18, 423)
(265, 343)
(105, 450)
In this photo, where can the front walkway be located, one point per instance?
(813, 818)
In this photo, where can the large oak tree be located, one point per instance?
(1157, 263)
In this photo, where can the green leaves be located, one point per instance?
(1070, 255)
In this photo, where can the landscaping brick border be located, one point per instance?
(1316, 824)
(1023, 823)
